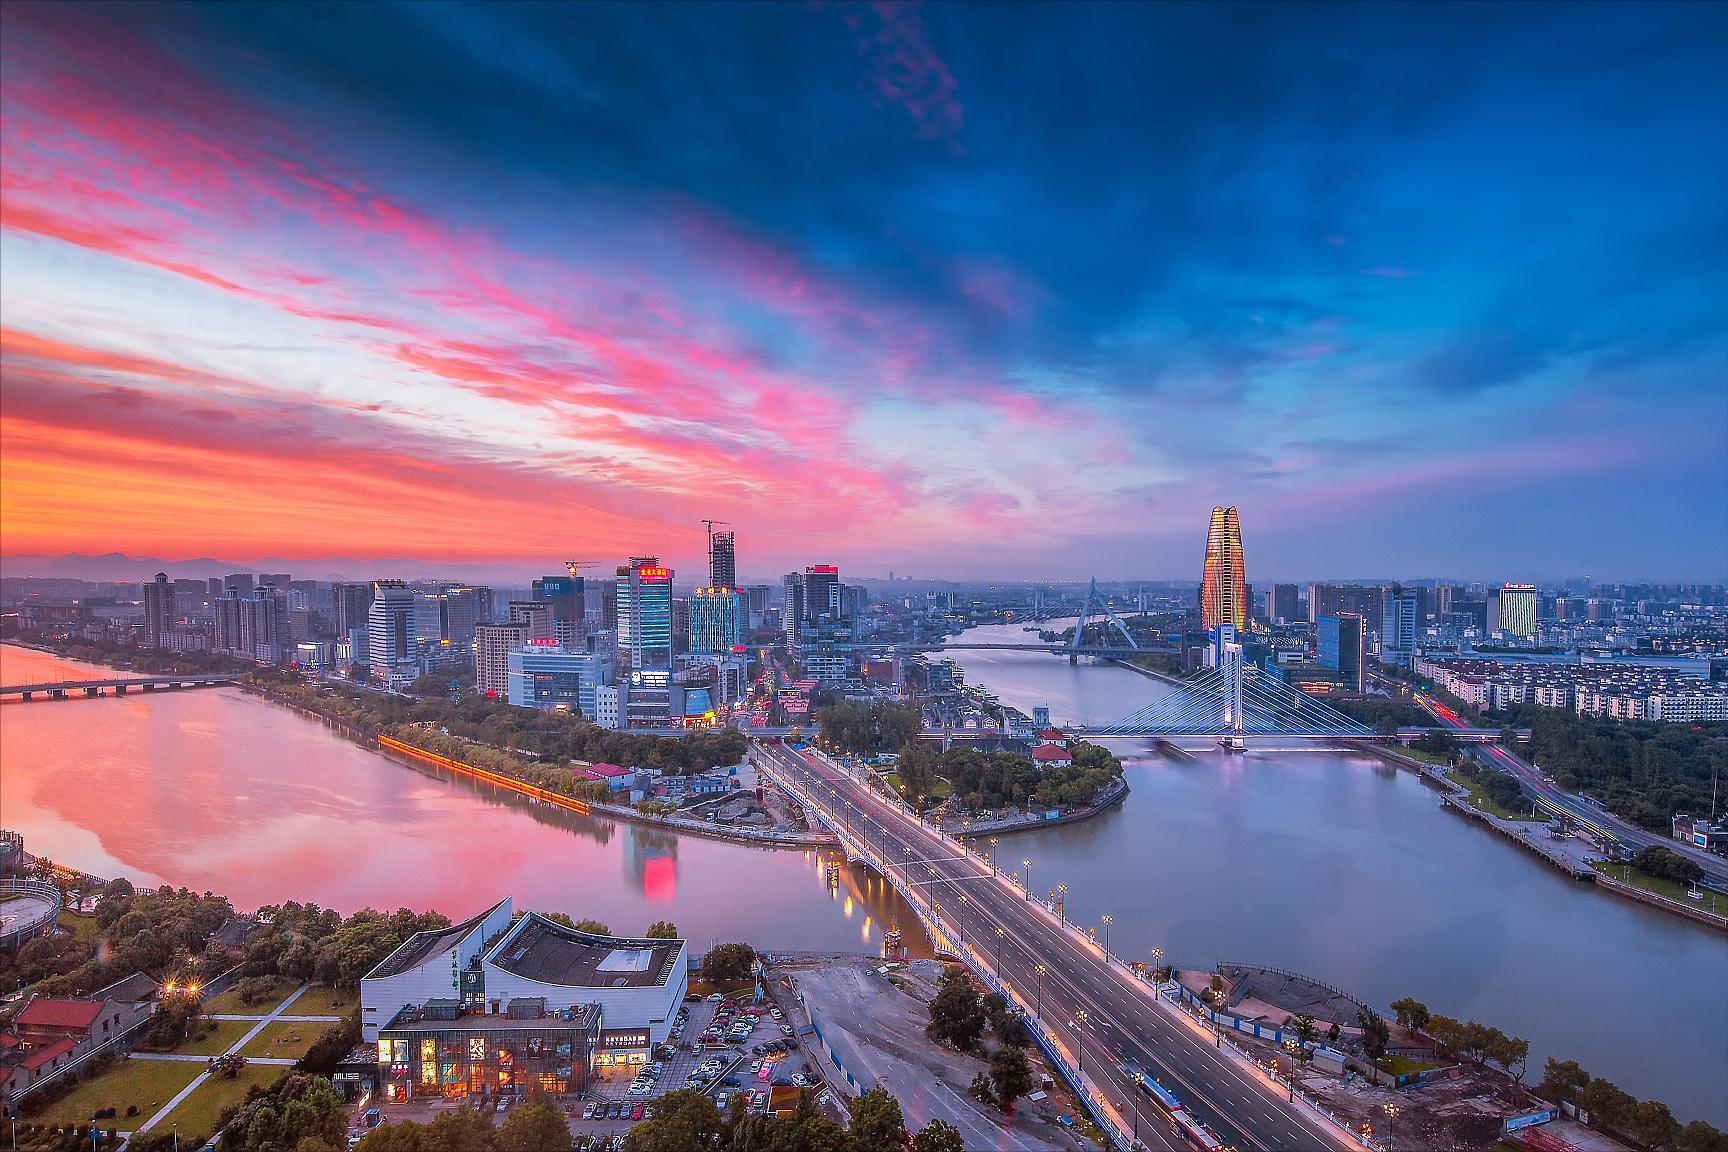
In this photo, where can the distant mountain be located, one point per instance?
(119, 566)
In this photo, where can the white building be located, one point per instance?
(543, 675)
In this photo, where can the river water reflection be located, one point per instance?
(1319, 862)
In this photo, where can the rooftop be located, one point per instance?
(587, 1018)
(422, 945)
(50, 1012)
(543, 950)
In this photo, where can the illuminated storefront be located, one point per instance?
(435, 1050)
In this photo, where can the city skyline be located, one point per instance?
(459, 282)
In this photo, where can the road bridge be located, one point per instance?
(117, 686)
(1089, 1010)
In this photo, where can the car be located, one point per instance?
(800, 1080)
(715, 997)
(656, 1068)
(617, 1111)
(755, 1066)
(786, 1029)
(765, 1072)
(721, 1099)
(733, 1081)
(504, 1104)
(775, 1012)
(588, 1112)
(636, 1112)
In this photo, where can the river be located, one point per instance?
(1341, 868)
(1324, 863)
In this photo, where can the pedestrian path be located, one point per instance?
(284, 1018)
(233, 1048)
(184, 1059)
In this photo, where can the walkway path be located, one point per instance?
(232, 1050)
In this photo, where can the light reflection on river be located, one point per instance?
(1338, 867)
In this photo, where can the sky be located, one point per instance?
(1000, 290)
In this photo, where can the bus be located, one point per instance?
(1193, 1130)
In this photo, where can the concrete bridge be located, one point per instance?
(118, 686)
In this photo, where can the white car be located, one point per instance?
(800, 1080)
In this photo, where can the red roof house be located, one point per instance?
(1051, 756)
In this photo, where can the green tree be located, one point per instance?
(591, 926)
(727, 964)
(938, 1136)
(983, 1091)
(430, 685)
(1606, 1103)
(1306, 1033)
(535, 1126)
(406, 1136)
(462, 1131)
(956, 1016)
(662, 930)
(1010, 1074)
(1666, 864)
(1413, 1015)
(1375, 1035)
(1562, 1080)
(877, 1125)
(1652, 1125)
(296, 1106)
(682, 1120)
(1699, 1136)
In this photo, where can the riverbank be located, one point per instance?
(1029, 822)
(1567, 854)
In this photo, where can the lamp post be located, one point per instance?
(997, 959)
(1080, 1019)
(961, 917)
(993, 840)
(1061, 898)
(1157, 955)
(1108, 920)
(1027, 886)
(1038, 1007)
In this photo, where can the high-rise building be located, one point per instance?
(280, 579)
(1398, 624)
(645, 613)
(717, 617)
(189, 597)
(1334, 599)
(547, 676)
(722, 561)
(215, 587)
(1223, 585)
(1445, 596)
(390, 642)
(534, 615)
(1341, 643)
(1518, 610)
(251, 625)
(158, 610)
(240, 582)
(349, 604)
(566, 594)
(1281, 604)
(822, 596)
(493, 644)
(459, 611)
(792, 615)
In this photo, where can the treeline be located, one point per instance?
(304, 942)
(1383, 715)
(979, 780)
(163, 931)
(866, 728)
(686, 1121)
(549, 736)
(1498, 786)
(1644, 773)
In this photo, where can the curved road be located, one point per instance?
(1123, 1023)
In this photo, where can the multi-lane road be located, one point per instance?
(1104, 1015)
(1577, 807)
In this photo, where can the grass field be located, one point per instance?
(285, 1038)
(197, 1113)
(219, 1036)
(938, 792)
(83, 927)
(325, 1000)
(1479, 801)
(1403, 1066)
(1660, 886)
(228, 1003)
(148, 1084)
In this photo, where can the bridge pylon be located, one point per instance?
(1103, 605)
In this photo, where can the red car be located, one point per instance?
(636, 1112)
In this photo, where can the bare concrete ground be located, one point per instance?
(878, 1024)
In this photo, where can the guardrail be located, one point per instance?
(557, 799)
(42, 890)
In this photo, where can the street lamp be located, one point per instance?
(1080, 1019)
(1108, 920)
(1061, 896)
(993, 840)
(998, 957)
(1027, 886)
(1038, 1007)
(961, 917)
(1157, 955)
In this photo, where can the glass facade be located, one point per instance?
(645, 613)
(488, 1055)
(1223, 584)
(717, 618)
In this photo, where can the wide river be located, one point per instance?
(1324, 863)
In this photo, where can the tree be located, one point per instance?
(1306, 1033)
(662, 930)
(1562, 1080)
(1652, 1124)
(403, 1137)
(1413, 1015)
(955, 1014)
(983, 1091)
(430, 684)
(877, 1124)
(1375, 1036)
(591, 926)
(277, 1119)
(1699, 1136)
(462, 1131)
(1010, 1074)
(682, 1120)
(536, 1126)
(727, 964)
(1605, 1102)
(938, 1136)
(1667, 864)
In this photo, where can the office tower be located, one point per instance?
(1493, 615)
(821, 593)
(1341, 643)
(1518, 610)
(566, 594)
(645, 613)
(240, 582)
(428, 619)
(553, 677)
(1470, 614)
(1223, 585)
(280, 579)
(158, 610)
(390, 646)
(1281, 604)
(1445, 596)
(792, 615)
(349, 604)
(717, 618)
(1398, 625)
(1336, 599)
(251, 625)
(458, 613)
(189, 597)
(680, 616)
(722, 561)
(758, 595)
(536, 616)
(493, 644)
(214, 587)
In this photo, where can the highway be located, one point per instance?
(1120, 1022)
(1552, 796)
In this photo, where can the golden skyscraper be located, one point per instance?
(1223, 587)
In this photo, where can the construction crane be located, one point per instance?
(574, 567)
(709, 524)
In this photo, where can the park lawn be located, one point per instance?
(83, 928)
(198, 1112)
(148, 1084)
(219, 1036)
(1659, 885)
(229, 1003)
(938, 791)
(1403, 1065)
(287, 1039)
(325, 1000)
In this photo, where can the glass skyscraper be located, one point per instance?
(1223, 586)
(645, 613)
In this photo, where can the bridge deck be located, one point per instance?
(204, 679)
